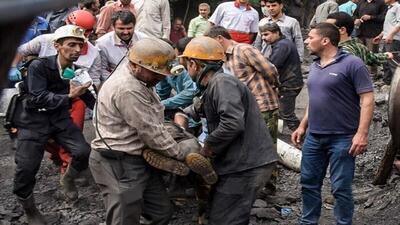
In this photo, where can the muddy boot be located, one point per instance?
(165, 163)
(32, 213)
(67, 182)
(202, 166)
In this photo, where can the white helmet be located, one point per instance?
(69, 31)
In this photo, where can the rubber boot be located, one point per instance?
(32, 213)
(197, 162)
(67, 182)
(165, 163)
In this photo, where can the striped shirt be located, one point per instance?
(260, 76)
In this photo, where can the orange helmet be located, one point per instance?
(81, 18)
(204, 48)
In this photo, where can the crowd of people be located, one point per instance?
(203, 101)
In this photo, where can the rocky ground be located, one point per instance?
(378, 205)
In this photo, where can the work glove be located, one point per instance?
(14, 74)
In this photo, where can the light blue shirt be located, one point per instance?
(185, 89)
(348, 7)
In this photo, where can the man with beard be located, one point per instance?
(105, 17)
(114, 45)
(341, 105)
(130, 127)
(43, 113)
(289, 27)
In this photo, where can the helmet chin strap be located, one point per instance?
(205, 68)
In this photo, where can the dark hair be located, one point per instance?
(176, 19)
(343, 19)
(87, 3)
(271, 27)
(181, 44)
(330, 31)
(215, 31)
(273, 1)
(125, 16)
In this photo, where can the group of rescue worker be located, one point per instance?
(227, 91)
(132, 139)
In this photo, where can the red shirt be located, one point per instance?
(176, 35)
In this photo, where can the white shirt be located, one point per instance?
(43, 46)
(113, 49)
(153, 17)
(233, 18)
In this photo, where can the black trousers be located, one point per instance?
(287, 106)
(30, 150)
(234, 195)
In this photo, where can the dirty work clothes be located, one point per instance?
(130, 187)
(57, 152)
(130, 116)
(319, 151)
(42, 114)
(30, 149)
(237, 133)
(234, 194)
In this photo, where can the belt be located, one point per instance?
(112, 154)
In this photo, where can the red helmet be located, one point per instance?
(82, 19)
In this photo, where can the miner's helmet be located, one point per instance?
(204, 48)
(153, 54)
(66, 31)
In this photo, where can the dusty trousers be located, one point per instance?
(30, 150)
(130, 188)
(234, 194)
(56, 151)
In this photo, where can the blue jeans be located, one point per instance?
(320, 150)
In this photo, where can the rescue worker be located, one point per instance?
(239, 143)
(43, 112)
(129, 122)
(89, 60)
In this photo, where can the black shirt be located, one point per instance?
(373, 27)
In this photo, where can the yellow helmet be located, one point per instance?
(204, 48)
(69, 31)
(153, 54)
